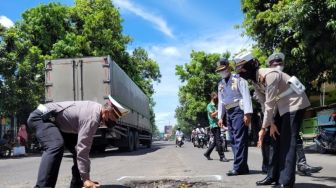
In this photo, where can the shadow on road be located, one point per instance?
(311, 185)
(324, 178)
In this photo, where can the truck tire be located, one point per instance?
(149, 143)
(136, 140)
(130, 146)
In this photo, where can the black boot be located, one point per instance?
(207, 156)
(266, 181)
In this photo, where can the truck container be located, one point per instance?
(94, 78)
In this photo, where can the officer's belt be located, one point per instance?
(229, 106)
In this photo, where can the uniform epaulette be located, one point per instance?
(236, 76)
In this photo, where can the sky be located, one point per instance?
(168, 30)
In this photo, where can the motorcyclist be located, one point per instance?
(200, 130)
(178, 133)
(193, 134)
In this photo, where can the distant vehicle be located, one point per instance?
(179, 141)
(94, 78)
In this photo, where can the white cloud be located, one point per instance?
(6, 22)
(159, 22)
(170, 51)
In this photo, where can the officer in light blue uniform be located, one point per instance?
(234, 99)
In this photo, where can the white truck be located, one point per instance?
(94, 78)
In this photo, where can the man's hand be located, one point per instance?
(274, 131)
(91, 184)
(247, 119)
(261, 135)
(220, 123)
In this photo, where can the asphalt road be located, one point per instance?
(163, 165)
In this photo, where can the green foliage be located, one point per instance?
(200, 79)
(304, 30)
(89, 28)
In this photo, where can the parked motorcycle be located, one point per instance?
(5, 149)
(179, 141)
(326, 139)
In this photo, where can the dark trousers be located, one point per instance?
(301, 157)
(217, 142)
(289, 134)
(268, 147)
(70, 142)
(239, 133)
(270, 151)
(52, 142)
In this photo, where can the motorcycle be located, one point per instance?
(201, 140)
(179, 141)
(326, 139)
(5, 149)
(224, 141)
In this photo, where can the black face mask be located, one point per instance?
(215, 100)
(250, 73)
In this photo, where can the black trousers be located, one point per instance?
(289, 134)
(216, 143)
(270, 145)
(52, 142)
(270, 151)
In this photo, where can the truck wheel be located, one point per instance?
(149, 142)
(136, 140)
(130, 146)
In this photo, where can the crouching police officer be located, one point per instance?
(277, 60)
(234, 99)
(72, 124)
(290, 103)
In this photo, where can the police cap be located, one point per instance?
(222, 64)
(275, 57)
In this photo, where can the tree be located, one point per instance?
(303, 30)
(145, 72)
(200, 80)
(89, 28)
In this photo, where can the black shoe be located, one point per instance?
(232, 173)
(312, 169)
(208, 157)
(223, 159)
(306, 170)
(266, 181)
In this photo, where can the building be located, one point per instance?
(168, 129)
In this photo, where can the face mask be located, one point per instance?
(224, 73)
(279, 67)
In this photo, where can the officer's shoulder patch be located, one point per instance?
(236, 77)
